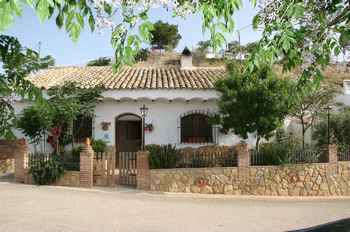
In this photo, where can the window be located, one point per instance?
(195, 128)
(82, 128)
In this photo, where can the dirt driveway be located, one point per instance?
(31, 208)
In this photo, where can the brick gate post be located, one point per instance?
(243, 160)
(332, 168)
(143, 173)
(86, 165)
(20, 150)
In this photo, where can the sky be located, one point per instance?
(91, 45)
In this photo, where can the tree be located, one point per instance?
(203, 46)
(102, 61)
(253, 104)
(249, 48)
(67, 102)
(200, 52)
(54, 116)
(17, 62)
(339, 127)
(142, 55)
(294, 31)
(301, 34)
(127, 19)
(165, 36)
(309, 102)
(234, 47)
(34, 122)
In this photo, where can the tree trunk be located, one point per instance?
(303, 132)
(71, 131)
(257, 143)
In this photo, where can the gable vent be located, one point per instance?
(346, 86)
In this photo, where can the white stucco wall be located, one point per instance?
(165, 110)
(164, 115)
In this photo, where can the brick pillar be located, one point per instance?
(86, 165)
(143, 173)
(20, 150)
(332, 153)
(332, 159)
(243, 160)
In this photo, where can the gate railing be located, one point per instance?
(127, 168)
(343, 152)
(104, 169)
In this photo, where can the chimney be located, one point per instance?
(186, 59)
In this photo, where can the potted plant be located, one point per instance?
(149, 127)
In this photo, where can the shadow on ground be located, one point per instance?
(335, 226)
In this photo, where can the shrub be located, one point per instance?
(71, 159)
(99, 145)
(46, 171)
(339, 125)
(280, 153)
(274, 153)
(162, 156)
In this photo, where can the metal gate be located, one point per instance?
(127, 168)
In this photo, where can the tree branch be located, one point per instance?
(339, 17)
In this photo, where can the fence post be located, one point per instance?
(332, 153)
(111, 171)
(86, 165)
(20, 152)
(243, 160)
(143, 172)
(332, 159)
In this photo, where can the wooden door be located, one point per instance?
(128, 136)
(128, 142)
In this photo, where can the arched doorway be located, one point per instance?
(128, 133)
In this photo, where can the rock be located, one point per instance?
(324, 187)
(228, 189)
(195, 189)
(294, 191)
(206, 190)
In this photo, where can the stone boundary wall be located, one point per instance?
(320, 179)
(9, 149)
(70, 178)
(7, 166)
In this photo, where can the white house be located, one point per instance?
(179, 99)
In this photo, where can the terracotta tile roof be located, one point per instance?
(130, 77)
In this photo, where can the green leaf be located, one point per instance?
(107, 8)
(80, 19)
(144, 30)
(344, 38)
(256, 22)
(92, 23)
(8, 9)
(253, 2)
(131, 40)
(74, 32)
(59, 20)
(42, 8)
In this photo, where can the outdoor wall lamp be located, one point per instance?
(144, 111)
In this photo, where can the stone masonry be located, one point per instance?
(290, 180)
(12, 157)
(318, 179)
